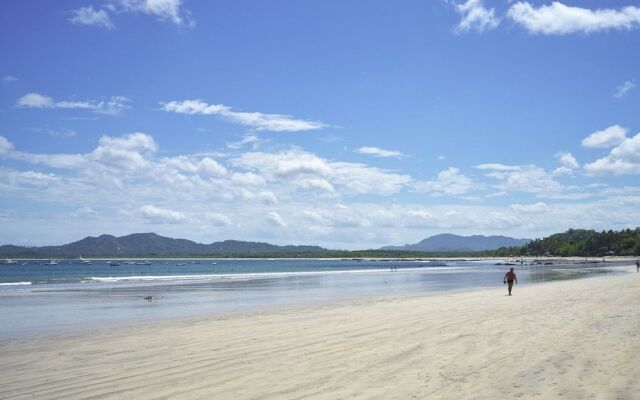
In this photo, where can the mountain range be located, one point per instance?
(447, 242)
(154, 245)
(150, 244)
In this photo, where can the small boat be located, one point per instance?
(83, 261)
(181, 264)
(113, 263)
(51, 262)
(9, 261)
(143, 262)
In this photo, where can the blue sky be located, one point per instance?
(348, 124)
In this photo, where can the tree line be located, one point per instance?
(578, 243)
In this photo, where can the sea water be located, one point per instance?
(40, 299)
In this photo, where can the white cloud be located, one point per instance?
(250, 196)
(355, 178)
(378, 152)
(210, 167)
(256, 120)
(536, 208)
(84, 212)
(567, 160)
(9, 79)
(562, 171)
(560, 19)
(276, 219)
(303, 170)
(164, 10)
(475, 16)
(90, 16)
(161, 215)
(624, 88)
(218, 219)
(5, 145)
(35, 100)
(125, 152)
(497, 167)
(64, 161)
(247, 140)
(449, 182)
(115, 105)
(624, 159)
(530, 179)
(605, 138)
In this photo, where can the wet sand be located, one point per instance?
(575, 339)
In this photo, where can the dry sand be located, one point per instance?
(563, 340)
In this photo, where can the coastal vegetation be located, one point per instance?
(578, 243)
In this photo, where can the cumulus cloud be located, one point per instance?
(529, 179)
(275, 219)
(562, 171)
(5, 145)
(124, 152)
(206, 166)
(560, 19)
(115, 105)
(161, 215)
(256, 120)
(307, 171)
(322, 201)
(606, 138)
(624, 88)
(567, 160)
(475, 16)
(378, 152)
(624, 159)
(217, 219)
(535, 208)
(448, 182)
(210, 167)
(497, 167)
(165, 10)
(85, 211)
(90, 16)
(35, 100)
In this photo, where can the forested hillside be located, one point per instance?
(580, 242)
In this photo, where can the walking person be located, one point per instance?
(509, 278)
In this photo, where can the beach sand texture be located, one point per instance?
(563, 340)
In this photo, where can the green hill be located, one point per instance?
(581, 243)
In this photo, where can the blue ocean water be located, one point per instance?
(40, 299)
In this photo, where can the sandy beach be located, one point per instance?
(576, 339)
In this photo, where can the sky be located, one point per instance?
(346, 124)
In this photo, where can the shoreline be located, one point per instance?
(462, 258)
(575, 338)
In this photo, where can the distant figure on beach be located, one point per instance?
(638, 265)
(509, 278)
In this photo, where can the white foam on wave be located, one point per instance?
(257, 275)
(15, 283)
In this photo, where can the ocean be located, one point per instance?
(39, 299)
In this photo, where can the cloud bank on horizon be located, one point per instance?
(349, 141)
